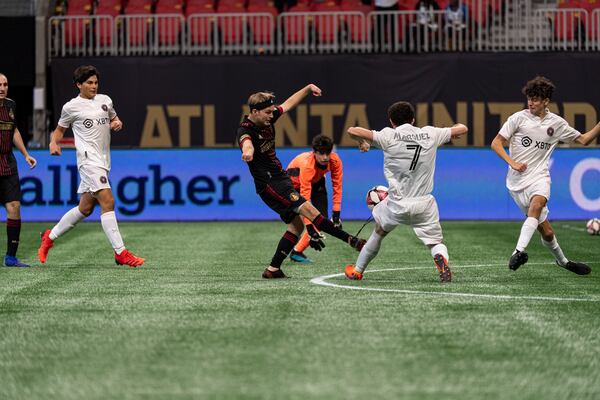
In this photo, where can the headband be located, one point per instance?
(263, 104)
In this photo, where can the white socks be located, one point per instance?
(440, 249)
(66, 223)
(111, 229)
(368, 252)
(556, 251)
(529, 227)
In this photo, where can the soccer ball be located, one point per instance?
(593, 226)
(375, 195)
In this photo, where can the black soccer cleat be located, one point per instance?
(356, 243)
(578, 268)
(267, 274)
(443, 268)
(517, 259)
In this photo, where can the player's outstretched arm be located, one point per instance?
(18, 142)
(247, 151)
(297, 97)
(56, 137)
(589, 136)
(458, 130)
(498, 145)
(363, 136)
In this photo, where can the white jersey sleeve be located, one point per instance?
(567, 133)
(384, 138)
(511, 126)
(440, 136)
(67, 116)
(111, 109)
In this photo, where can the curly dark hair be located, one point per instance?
(84, 72)
(401, 113)
(540, 87)
(322, 144)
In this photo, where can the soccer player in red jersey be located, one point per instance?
(10, 188)
(256, 138)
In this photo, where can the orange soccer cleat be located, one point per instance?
(46, 245)
(128, 258)
(443, 268)
(352, 273)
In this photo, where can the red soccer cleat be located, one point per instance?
(128, 258)
(46, 245)
(352, 273)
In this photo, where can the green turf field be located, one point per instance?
(198, 322)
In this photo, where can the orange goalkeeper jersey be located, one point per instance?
(309, 172)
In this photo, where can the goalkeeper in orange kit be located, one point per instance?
(307, 172)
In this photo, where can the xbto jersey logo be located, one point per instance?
(526, 141)
(88, 123)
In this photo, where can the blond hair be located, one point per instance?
(260, 97)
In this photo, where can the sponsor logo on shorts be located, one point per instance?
(550, 131)
(103, 180)
(88, 123)
(294, 196)
(526, 141)
(104, 107)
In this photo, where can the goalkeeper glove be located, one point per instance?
(335, 218)
(316, 239)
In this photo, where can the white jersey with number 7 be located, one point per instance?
(409, 155)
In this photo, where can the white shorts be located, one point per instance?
(421, 213)
(523, 197)
(93, 179)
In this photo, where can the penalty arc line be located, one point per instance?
(322, 281)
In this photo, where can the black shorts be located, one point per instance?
(318, 197)
(282, 198)
(10, 188)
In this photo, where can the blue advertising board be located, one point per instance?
(212, 184)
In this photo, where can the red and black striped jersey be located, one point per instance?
(264, 165)
(8, 163)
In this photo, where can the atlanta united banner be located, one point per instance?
(198, 101)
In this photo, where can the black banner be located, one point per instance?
(198, 101)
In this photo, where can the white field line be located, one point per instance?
(322, 281)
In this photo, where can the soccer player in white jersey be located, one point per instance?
(409, 155)
(532, 135)
(92, 117)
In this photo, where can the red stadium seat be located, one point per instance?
(295, 27)
(200, 30)
(262, 28)
(231, 27)
(79, 7)
(169, 28)
(138, 7)
(75, 31)
(566, 22)
(327, 26)
(104, 26)
(137, 29)
(407, 5)
(356, 31)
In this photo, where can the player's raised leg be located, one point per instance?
(323, 224)
(66, 223)
(284, 247)
(549, 241)
(111, 230)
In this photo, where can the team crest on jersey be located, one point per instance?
(526, 141)
(104, 107)
(11, 115)
(103, 179)
(88, 123)
(550, 131)
(294, 196)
